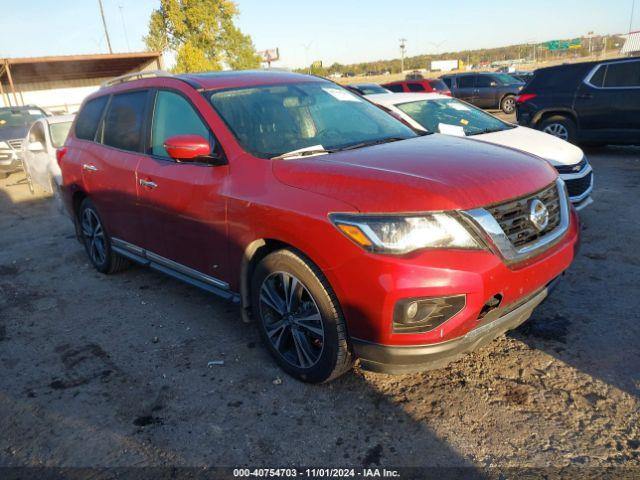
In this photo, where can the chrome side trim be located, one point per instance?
(178, 267)
(589, 77)
(489, 228)
(175, 269)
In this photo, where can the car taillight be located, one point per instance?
(60, 153)
(525, 97)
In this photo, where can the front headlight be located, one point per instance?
(4, 145)
(404, 234)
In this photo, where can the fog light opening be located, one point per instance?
(419, 315)
(493, 303)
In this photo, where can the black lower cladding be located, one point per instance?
(579, 186)
(414, 358)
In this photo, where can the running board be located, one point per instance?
(174, 269)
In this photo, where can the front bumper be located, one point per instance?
(10, 160)
(412, 358)
(579, 186)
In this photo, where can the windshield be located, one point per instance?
(432, 113)
(505, 79)
(272, 120)
(58, 133)
(19, 117)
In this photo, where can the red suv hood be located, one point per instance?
(435, 172)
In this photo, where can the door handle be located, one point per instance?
(585, 96)
(89, 167)
(147, 183)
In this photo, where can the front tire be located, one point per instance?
(96, 240)
(559, 126)
(299, 318)
(508, 104)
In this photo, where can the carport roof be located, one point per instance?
(73, 67)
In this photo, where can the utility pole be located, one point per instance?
(403, 46)
(633, 6)
(104, 24)
(124, 27)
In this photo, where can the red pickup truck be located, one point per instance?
(342, 233)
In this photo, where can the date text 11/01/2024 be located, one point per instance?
(316, 473)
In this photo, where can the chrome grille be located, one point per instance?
(15, 144)
(513, 216)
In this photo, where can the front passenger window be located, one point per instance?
(174, 115)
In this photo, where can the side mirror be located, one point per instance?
(188, 148)
(35, 147)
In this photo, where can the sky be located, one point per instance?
(345, 31)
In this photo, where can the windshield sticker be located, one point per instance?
(447, 129)
(342, 95)
(459, 106)
(464, 121)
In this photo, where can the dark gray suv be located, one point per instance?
(485, 90)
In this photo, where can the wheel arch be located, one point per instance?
(253, 254)
(544, 114)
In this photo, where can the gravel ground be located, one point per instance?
(113, 370)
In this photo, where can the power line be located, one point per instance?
(104, 24)
(124, 27)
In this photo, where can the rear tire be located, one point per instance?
(559, 126)
(508, 104)
(96, 240)
(299, 318)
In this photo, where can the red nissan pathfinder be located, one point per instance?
(342, 233)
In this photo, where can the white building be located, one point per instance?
(631, 45)
(59, 84)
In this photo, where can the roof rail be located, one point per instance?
(129, 77)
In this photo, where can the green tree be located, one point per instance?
(202, 34)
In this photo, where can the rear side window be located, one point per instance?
(89, 118)
(438, 85)
(415, 87)
(623, 74)
(394, 88)
(447, 81)
(467, 81)
(174, 115)
(124, 120)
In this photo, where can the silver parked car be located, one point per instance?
(39, 151)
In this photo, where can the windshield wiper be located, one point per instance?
(370, 143)
(303, 152)
(485, 130)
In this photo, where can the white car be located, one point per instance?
(440, 114)
(39, 151)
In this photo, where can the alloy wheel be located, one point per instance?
(509, 105)
(557, 130)
(291, 319)
(94, 236)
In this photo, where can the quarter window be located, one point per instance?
(89, 118)
(174, 115)
(124, 120)
(623, 74)
(597, 79)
